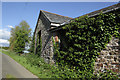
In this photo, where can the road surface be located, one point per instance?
(12, 68)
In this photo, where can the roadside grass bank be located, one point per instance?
(43, 71)
(10, 77)
(38, 67)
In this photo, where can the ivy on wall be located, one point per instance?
(39, 45)
(32, 45)
(85, 38)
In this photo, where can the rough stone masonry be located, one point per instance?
(109, 58)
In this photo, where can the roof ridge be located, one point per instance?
(56, 14)
(101, 10)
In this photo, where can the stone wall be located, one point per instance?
(109, 58)
(46, 36)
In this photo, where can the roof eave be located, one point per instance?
(116, 6)
(37, 22)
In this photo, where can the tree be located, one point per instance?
(20, 37)
(32, 44)
(13, 37)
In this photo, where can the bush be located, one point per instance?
(6, 48)
(34, 60)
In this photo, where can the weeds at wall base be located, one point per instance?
(44, 70)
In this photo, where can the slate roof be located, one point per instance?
(103, 10)
(55, 18)
(92, 14)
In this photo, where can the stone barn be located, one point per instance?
(45, 23)
(49, 25)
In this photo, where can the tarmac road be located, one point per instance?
(11, 67)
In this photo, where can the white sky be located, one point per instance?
(4, 36)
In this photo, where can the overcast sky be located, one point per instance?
(14, 12)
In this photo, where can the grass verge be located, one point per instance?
(37, 66)
(39, 71)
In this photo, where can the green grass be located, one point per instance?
(10, 77)
(40, 71)
(43, 70)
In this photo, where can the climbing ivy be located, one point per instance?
(39, 45)
(85, 38)
(32, 45)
